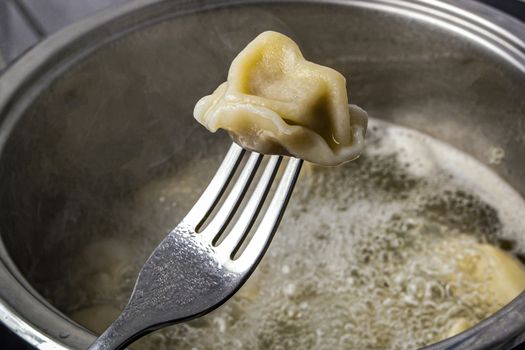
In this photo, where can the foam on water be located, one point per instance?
(366, 257)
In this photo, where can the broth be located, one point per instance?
(368, 256)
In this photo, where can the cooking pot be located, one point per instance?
(101, 108)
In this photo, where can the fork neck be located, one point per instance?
(120, 334)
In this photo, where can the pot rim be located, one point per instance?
(21, 83)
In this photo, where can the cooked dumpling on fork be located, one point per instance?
(276, 102)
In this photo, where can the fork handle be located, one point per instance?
(122, 332)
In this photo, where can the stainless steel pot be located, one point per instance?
(100, 108)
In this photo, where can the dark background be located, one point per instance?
(24, 22)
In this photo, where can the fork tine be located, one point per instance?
(262, 236)
(250, 212)
(227, 209)
(216, 187)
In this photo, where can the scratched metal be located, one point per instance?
(183, 278)
(187, 275)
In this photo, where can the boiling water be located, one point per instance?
(366, 257)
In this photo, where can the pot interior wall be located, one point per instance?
(122, 117)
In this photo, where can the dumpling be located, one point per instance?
(276, 102)
(500, 278)
(503, 274)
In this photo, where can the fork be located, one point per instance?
(189, 274)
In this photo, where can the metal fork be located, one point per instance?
(188, 275)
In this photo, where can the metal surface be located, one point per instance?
(55, 14)
(100, 109)
(187, 275)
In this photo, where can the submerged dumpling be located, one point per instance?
(276, 102)
(503, 274)
(500, 278)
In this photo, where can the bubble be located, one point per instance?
(496, 155)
